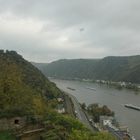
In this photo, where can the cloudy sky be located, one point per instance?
(47, 30)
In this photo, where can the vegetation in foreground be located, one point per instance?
(6, 135)
(63, 127)
(24, 91)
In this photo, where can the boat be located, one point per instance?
(90, 88)
(132, 107)
(71, 88)
(133, 138)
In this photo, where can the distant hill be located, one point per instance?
(42, 66)
(113, 68)
(23, 88)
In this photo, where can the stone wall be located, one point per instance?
(12, 123)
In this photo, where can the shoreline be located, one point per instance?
(84, 117)
(78, 111)
(116, 85)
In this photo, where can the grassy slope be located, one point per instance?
(23, 87)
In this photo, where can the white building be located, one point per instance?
(60, 99)
(106, 120)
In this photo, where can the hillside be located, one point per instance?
(42, 66)
(22, 86)
(109, 68)
(25, 91)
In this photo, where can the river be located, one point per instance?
(105, 95)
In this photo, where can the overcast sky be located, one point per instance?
(47, 30)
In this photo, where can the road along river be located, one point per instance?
(105, 95)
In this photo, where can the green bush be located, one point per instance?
(6, 135)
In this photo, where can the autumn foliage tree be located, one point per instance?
(96, 111)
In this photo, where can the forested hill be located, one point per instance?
(23, 88)
(41, 66)
(25, 91)
(109, 68)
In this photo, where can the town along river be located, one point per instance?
(105, 95)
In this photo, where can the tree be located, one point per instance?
(96, 111)
(83, 105)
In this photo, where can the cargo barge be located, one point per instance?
(90, 88)
(71, 88)
(132, 107)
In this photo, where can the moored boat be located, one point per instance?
(132, 107)
(71, 88)
(90, 88)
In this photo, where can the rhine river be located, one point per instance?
(105, 95)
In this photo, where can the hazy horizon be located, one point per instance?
(45, 31)
(84, 58)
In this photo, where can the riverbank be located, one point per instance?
(106, 95)
(87, 120)
(118, 85)
(77, 111)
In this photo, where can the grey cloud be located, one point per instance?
(110, 28)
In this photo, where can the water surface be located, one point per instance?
(105, 95)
